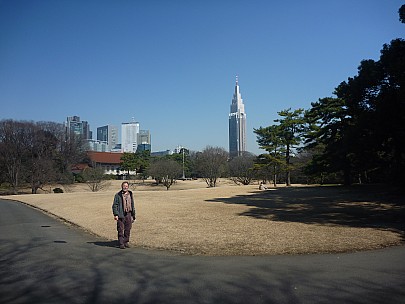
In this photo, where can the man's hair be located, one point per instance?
(122, 184)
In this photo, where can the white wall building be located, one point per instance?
(129, 136)
(98, 145)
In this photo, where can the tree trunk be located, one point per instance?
(347, 178)
(275, 175)
(287, 160)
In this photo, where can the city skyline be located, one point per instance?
(172, 65)
(107, 138)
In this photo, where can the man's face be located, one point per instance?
(125, 187)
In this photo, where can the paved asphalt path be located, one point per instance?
(43, 260)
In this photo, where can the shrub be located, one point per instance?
(57, 190)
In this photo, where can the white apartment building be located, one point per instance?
(129, 136)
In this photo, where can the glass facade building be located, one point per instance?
(237, 124)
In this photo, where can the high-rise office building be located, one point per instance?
(97, 145)
(129, 136)
(109, 135)
(74, 126)
(144, 142)
(237, 124)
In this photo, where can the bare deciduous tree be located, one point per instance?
(71, 150)
(241, 168)
(166, 171)
(95, 178)
(40, 165)
(13, 152)
(36, 153)
(211, 164)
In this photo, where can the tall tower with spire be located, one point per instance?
(237, 124)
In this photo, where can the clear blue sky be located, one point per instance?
(172, 64)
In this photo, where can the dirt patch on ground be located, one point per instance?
(240, 220)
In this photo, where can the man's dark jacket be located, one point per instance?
(118, 205)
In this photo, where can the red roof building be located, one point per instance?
(109, 161)
(105, 158)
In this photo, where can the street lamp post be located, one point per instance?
(183, 177)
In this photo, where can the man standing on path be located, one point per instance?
(124, 213)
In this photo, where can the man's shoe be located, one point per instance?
(122, 247)
(127, 245)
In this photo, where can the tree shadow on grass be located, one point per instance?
(374, 206)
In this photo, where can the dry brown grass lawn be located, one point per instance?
(240, 220)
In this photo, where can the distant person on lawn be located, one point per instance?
(124, 213)
(262, 186)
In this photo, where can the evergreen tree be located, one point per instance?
(283, 138)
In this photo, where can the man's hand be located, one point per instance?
(116, 217)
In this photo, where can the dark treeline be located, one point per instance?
(355, 136)
(358, 135)
(37, 153)
(362, 131)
